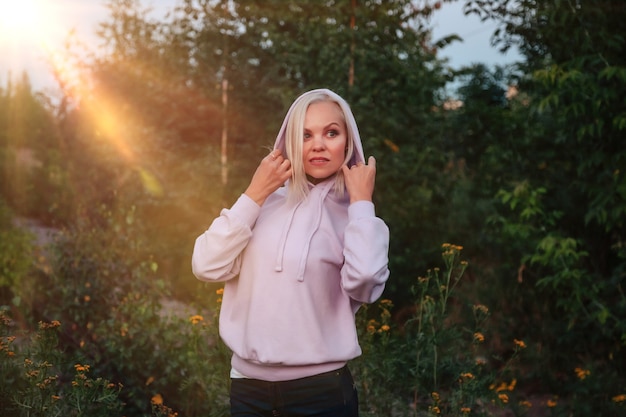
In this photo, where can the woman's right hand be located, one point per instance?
(271, 174)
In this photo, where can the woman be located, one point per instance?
(300, 251)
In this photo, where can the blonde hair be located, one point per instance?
(294, 139)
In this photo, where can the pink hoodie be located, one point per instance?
(295, 275)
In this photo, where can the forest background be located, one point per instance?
(520, 175)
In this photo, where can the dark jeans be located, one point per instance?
(331, 394)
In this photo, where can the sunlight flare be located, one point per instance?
(27, 27)
(22, 19)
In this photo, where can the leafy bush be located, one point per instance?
(116, 314)
(435, 362)
(35, 379)
(15, 253)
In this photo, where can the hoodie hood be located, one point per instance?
(314, 205)
(357, 156)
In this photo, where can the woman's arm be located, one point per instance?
(366, 247)
(366, 238)
(216, 253)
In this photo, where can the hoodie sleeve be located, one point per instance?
(366, 247)
(216, 253)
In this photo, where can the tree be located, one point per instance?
(570, 205)
(28, 162)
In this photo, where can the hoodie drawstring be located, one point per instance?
(283, 239)
(314, 226)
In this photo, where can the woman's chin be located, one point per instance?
(316, 180)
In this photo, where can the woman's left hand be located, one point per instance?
(360, 180)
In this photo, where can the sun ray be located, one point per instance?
(24, 27)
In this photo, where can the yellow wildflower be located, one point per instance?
(87, 298)
(619, 398)
(436, 410)
(219, 291)
(466, 410)
(384, 328)
(371, 326)
(479, 337)
(519, 343)
(435, 396)
(480, 308)
(81, 368)
(157, 399)
(196, 319)
(150, 380)
(467, 375)
(504, 398)
(502, 387)
(386, 303)
(582, 373)
(525, 403)
(51, 325)
(551, 403)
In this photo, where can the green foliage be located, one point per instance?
(28, 151)
(564, 222)
(436, 362)
(110, 301)
(15, 252)
(117, 315)
(35, 381)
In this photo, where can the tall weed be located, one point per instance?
(434, 363)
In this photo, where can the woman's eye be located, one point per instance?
(332, 133)
(307, 136)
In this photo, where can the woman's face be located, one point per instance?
(325, 138)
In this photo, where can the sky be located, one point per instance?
(32, 30)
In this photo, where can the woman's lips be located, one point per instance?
(318, 161)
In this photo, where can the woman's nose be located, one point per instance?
(318, 142)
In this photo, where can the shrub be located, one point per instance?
(15, 254)
(104, 288)
(435, 362)
(35, 381)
